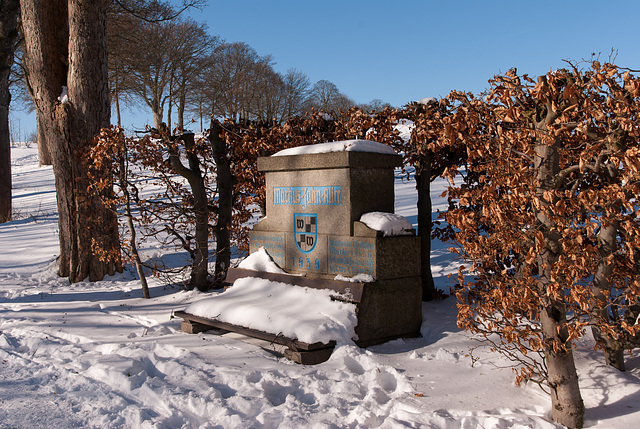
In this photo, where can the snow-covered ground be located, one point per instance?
(97, 355)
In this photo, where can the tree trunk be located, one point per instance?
(200, 114)
(181, 103)
(9, 11)
(225, 203)
(75, 57)
(562, 378)
(170, 102)
(89, 112)
(44, 155)
(46, 36)
(612, 349)
(124, 185)
(200, 272)
(425, 225)
(193, 174)
(118, 115)
(566, 400)
(157, 118)
(116, 97)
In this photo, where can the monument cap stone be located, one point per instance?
(338, 181)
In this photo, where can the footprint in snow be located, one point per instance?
(387, 381)
(353, 365)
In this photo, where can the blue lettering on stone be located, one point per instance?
(304, 196)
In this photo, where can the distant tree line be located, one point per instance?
(172, 65)
(176, 65)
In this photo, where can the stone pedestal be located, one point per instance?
(313, 206)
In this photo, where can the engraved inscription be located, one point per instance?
(351, 256)
(304, 196)
(273, 243)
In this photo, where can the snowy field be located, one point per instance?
(97, 355)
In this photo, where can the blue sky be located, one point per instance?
(401, 51)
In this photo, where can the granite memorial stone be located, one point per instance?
(315, 197)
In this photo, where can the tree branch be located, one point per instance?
(162, 12)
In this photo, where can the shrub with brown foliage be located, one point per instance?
(557, 169)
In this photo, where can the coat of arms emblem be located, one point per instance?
(305, 226)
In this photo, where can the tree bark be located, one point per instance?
(65, 46)
(44, 155)
(116, 97)
(181, 105)
(46, 33)
(562, 378)
(566, 400)
(157, 118)
(9, 11)
(193, 174)
(170, 106)
(124, 185)
(612, 349)
(225, 203)
(425, 225)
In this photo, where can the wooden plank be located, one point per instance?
(313, 357)
(272, 338)
(354, 289)
(193, 327)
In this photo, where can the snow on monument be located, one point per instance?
(329, 219)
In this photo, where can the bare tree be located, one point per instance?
(20, 97)
(322, 95)
(325, 96)
(162, 59)
(342, 103)
(269, 99)
(121, 45)
(133, 28)
(297, 88)
(192, 52)
(241, 85)
(230, 82)
(375, 105)
(151, 65)
(155, 10)
(197, 106)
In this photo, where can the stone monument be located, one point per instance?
(315, 198)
